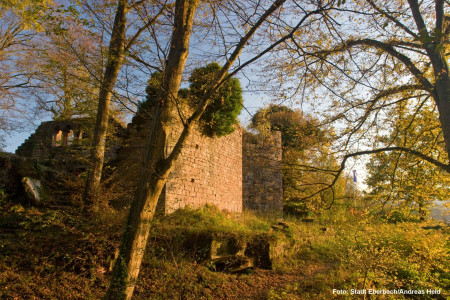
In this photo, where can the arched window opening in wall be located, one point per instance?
(67, 135)
(56, 137)
(78, 135)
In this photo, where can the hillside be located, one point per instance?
(49, 253)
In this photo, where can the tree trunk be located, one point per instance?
(156, 167)
(113, 65)
(157, 164)
(442, 93)
(436, 53)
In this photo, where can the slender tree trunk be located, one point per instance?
(113, 65)
(157, 164)
(156, 167)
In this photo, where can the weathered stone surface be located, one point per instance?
(262, 176)
(258, 250)
(229, 264)
(233, 172)
(209, 171)
(229, 172)
(225, 253)
(226, 247)
(56, 141)
(33, 190)
(232, 255)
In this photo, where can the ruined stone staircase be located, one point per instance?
(33, 146)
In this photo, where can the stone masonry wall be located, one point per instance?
(262, 180)
(235, 172)
(209, 171)
(58, 140)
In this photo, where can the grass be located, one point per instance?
(62, 253)
(370, 254)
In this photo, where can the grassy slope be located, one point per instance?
(62, 254)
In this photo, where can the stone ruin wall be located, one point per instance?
(48, 136)
(262, 180)
(208, 171)
(240, 171)
(237, 172)
(59, 139)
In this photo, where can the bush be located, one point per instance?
(369, 254)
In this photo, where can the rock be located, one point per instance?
(283, 224)
(229, 264)
(226, 247)
(33, 190)
(280, 226)
(258, 250)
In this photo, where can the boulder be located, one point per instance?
(230, 264)
(33, 190)
(226, 247)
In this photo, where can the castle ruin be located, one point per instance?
(240, 171)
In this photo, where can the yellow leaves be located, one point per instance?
(383, 255)
(28, 10)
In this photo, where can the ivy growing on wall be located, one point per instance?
(221, 114)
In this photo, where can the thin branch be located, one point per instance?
(143, 28)
(219, 80)
(390, 17)
(445, 167)
(388, 48)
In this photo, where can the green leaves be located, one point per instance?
(305, 157)
(224, 107)
(340, 2)
(225, 104)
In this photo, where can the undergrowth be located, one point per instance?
(62, 253)
(362, 253)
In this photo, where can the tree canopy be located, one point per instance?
(298, 131)
(404, 181)
(30, 12)
(225, 104)
(304, 145)
(364, 58)
(220, 115)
